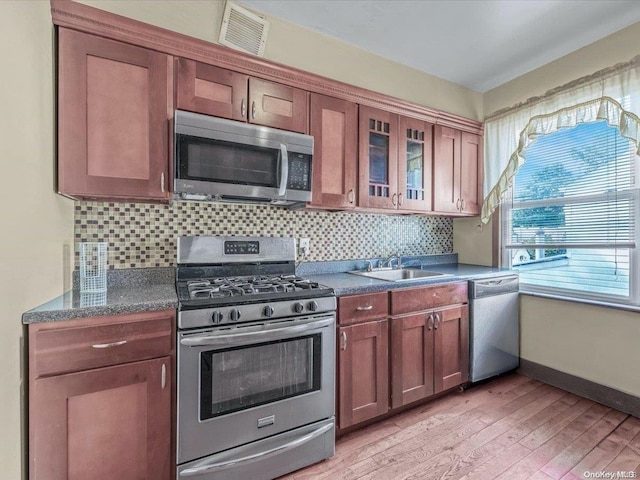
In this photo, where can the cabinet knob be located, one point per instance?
(430, 322)
(458, 204)
(400, 197)
(437, 321)
(393, 199)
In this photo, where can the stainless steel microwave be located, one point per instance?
(225, 160)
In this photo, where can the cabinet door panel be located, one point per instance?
(210, 90)
(412, 359)
(451, 347)
(415, 144)
(278, 106)
(471, 177)
(364, 375)
(334, 129)
(378, 159)
(112, 422)
(113, 118)
(446, 170)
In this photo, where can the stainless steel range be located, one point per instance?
(256, 360)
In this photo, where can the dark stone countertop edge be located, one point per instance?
(117, 300)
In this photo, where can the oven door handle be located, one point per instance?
(202, 469)
(234, 338)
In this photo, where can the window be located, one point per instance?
(569, 224)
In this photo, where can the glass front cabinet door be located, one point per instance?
(378, 158)
(414, 164)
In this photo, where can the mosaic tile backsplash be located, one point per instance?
(142, 235)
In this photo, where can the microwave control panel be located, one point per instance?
(299, 171)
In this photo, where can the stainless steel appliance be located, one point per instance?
(225, 160)
(256, 360)
(494, 326)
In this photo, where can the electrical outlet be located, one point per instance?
(305, 247)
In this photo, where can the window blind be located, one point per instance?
(576, 189)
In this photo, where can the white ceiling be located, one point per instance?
(479, 44)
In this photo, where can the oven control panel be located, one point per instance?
(253, 312)
(241, 247)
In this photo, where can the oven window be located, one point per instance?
(226, 162)
(242, 377)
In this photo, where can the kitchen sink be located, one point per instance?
(398, 274)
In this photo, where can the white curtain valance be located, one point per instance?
(612, 95)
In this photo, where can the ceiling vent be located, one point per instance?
(243, 30)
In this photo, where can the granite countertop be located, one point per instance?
(349, 284)
(127, 292)
(140, 290)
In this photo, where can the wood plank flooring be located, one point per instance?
(508, 429)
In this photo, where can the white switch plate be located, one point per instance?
(305, 246)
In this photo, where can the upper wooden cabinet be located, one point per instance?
(378, 159)
(211, 90)
(457, 172)
(415, 145)
(334, 129)
(114, 103)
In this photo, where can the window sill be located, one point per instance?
(598, 303)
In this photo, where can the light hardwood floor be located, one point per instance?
(508, 429)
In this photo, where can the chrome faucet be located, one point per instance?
(387, 262)
(369, 265)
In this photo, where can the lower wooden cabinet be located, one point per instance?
(100, 398)
(451, 347)
(387, 363)
(412, 359)
(363, 365)
(111, 422)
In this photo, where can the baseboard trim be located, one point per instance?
(610, 397)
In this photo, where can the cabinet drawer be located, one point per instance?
(357, 308)
(74, 345)
(423, 298)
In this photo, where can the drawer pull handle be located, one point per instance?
(364, 309)
(109, 345)
(164, 376)
(344, 340)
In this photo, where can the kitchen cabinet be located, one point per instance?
(333, 124)
(114, 105)
(429, 341)
(414, 164)
(395, 158)
(100, 397)
(363, 361)
(210, 90)
(457, 172)
(378, 159)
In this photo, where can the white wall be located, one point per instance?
(36, 223)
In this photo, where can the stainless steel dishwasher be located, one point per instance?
(494, 326)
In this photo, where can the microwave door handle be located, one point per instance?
(283, 166)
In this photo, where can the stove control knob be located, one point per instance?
(298, 307)
(312, 306)
(234, 315)
(216, 317)
(267, 311)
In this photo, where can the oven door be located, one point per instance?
(241, 384)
